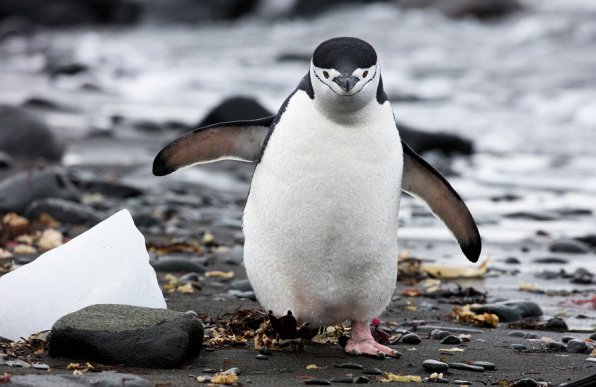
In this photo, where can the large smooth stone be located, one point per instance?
(18, 191)
(24, 136)
(509, 311)
(128, 335)
(108, 264)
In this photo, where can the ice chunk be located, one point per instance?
(108, 264)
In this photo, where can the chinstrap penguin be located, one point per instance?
(321, 217)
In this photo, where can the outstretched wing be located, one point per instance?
(423, 181)
(238, 140)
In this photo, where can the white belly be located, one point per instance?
(321, 222)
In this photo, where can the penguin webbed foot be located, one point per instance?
(286, 327)
(363, 343)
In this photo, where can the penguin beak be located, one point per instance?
(346, 82)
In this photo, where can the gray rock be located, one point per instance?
(172, 264)
(362, 380)
(592, 336)
(242, 285)
(101, 379)
(64, 211)
(527, 382)
(260, 356)
(235, 256)
(18, 191)
(372, 371)
(461, 382)
(24, 136)
(411, 338)
(485, 364)
(438, 334)
(465, 367)
(519, 347)
(554, 346)
(129, 335)
(576, 346)
(556, 324)
(6, 161)
(249, 295)
(510, 311)
(568, 245)
(566, 339)
(435, 366)
(451, 340)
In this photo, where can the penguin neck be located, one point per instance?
(344, 113)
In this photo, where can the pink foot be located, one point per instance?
(362, 343)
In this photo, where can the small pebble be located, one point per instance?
(457, 381)
(532, 336)
(518, 347)
(262, 357)
(265, 351)
(40, 366)
(208, 371)
(592, 336)
(352, 366)
(554, 346)
(576, 346)
(441, 380)
(411, 338)
(435, 366)
(342, 379)
(556, 324)
(317, 382)
(485, 364)
(362, 380)
(439, 334)
(233, 370)
(466, 367)
(566, 339)
(372, 371)
(527, 382)
(451, 340)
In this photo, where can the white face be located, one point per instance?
(344, 92)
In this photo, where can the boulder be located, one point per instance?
(19, 190)
(24, 136)
(234, 109)
(108, 264)
(127, 335)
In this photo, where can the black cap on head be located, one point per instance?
(344, 54)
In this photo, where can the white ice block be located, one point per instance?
(108, 264)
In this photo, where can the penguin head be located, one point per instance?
(344, 74)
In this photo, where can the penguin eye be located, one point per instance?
(364, 74)
(326, 74)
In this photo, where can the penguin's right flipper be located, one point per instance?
(238, 140)
(423, 181)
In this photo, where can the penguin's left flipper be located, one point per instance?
(238, 140)
(423, 181)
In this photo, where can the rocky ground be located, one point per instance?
(84, 111)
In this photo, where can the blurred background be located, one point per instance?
(500, 95)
